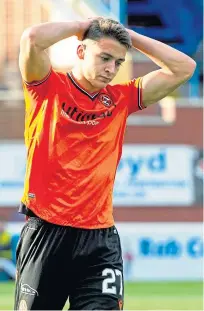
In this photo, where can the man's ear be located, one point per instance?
(80, 51)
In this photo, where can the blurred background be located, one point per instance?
(158, 194)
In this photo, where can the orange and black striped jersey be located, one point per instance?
(74, 144)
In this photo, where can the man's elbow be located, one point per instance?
(28, 36)
(188, 69)
(191, 67)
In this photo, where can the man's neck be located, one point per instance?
(85, 84)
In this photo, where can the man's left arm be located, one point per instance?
(176, 68)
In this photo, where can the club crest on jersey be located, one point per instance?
(105, 100)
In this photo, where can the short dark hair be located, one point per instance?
(106, 27)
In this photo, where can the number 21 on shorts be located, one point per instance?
(109, 283)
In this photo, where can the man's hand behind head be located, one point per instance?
(84, 26)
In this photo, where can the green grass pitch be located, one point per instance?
(140, 296)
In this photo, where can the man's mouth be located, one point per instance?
(104, 79)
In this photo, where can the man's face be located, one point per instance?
(102, 60)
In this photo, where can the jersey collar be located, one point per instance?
(76, 84)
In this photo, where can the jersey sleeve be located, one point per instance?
(133, 92)
(37, 91)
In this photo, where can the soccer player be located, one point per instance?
(74, 130)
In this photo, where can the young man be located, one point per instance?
(74, 131)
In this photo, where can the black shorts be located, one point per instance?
(56, 262)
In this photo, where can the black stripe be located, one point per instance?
(139, 99)
(138, 96)
(80, 89)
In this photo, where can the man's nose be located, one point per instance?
(110, 68)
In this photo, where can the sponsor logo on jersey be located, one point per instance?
(83, 117)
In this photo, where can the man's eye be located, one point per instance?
(105, 59)
(118, 64)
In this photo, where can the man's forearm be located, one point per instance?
(163, 55)
(46, 34)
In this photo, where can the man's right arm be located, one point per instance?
(34, 61)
